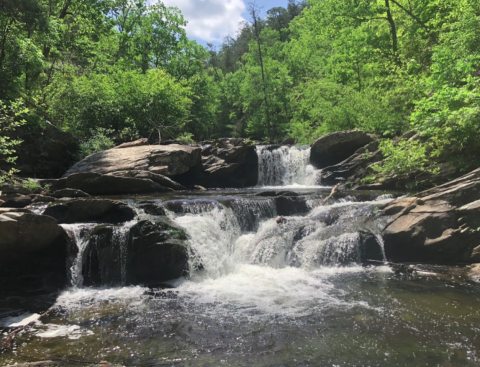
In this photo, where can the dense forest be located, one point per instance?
(109, 71)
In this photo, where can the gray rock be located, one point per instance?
(439, 225)
(26, 200)
(336, 147)
(168, 160)
(97, 184)
(14, 189)
(91, 210)
(155, 177)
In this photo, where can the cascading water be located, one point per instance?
(285, 166)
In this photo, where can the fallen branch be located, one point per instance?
(8, 343)
(334, 191)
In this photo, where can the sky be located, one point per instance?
(213, 20)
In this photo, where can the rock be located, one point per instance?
(26, 200)
(32, 253)
(97, 184)
(70, 193)
(54, 184)
(288, 141)
(370, 249)
(136, 143)
(336, 147)
(1, 202)
(156, 252)
(91, 210)
(227, 162)
(151, 208)
(440, 225)
(14, 189)
(474, 273)
(200, 188)
(291, 205)
(155, 177)
(46, 151)
(168, 160)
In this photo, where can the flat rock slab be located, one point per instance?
(168, 160)
(91, 210)
(98, 184)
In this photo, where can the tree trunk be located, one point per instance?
(393, 28)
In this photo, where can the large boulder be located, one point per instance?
(227, 162)
(440, 225)
(46, 151)
(168, 160)
(32, 253)
(335, 147)
(91, 210)
(98, 184)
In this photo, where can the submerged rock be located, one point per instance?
(333, 148)
(91, 210)
(440, 225)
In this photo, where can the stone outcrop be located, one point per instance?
(32, 253)
(168, 160)
(26, 200)
(91, 210)
(98, 184)
(136, 143)
(227, 162)
(155, 177)
(46, 151)
(333, 148)
(440, 225)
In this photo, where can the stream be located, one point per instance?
(259, 293)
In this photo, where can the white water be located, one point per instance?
(287, 167)
(80, 235)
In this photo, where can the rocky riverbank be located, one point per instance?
(439, 225)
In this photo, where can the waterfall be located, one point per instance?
(79, 234)
(285, 166)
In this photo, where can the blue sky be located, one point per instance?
(213, 20)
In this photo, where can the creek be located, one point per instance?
(259, 293)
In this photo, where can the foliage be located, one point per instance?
(186, 138)
(32, 185)
(11, 116)
(403, 158)
(98, 141)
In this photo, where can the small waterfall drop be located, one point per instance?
(80, 235)
(285, 166)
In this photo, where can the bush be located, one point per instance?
(97, 142)
(403, 158)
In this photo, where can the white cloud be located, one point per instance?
(210, 20)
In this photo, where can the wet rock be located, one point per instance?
(199, 188)
(157, 252)
(336, 147)
(370, 249)
(155, 177)
(440, 225)
(266, 193)
(91, 210)
(291, 205)
(32, 253)
(288, 141)
(97, 184)
(70, 193)
(151, 208)
(168, 160)
(26, 200)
